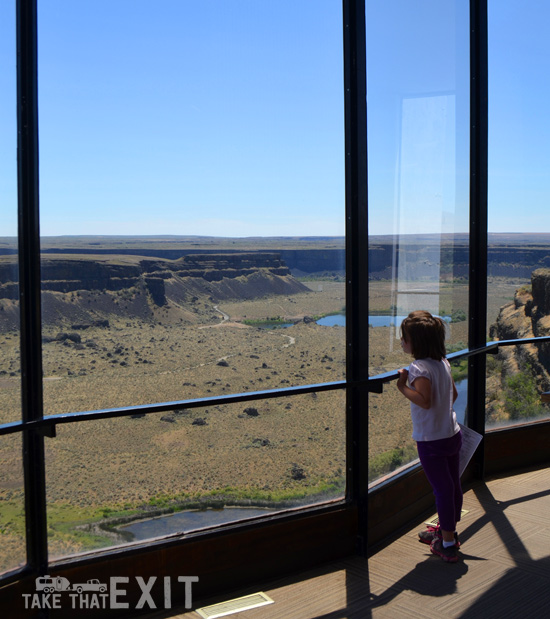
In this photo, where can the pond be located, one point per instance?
(190, 520)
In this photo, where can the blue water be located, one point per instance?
(190, 521)
(385, 321)
(339, 320)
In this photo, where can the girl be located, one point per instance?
(432, 393)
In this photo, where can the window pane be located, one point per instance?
(269, 454)
(13, 552)
(390, 435)
(201, 146)
(516, 379)
(519, 131)
(10, 374)
(418, 128)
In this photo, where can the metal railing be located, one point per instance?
(374, 384)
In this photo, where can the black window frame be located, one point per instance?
(35, 428)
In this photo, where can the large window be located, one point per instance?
(189, 469)
(519, 220)
(192, 221)
(418, 126)
(10, 385)
(179, 313)
(12, 512)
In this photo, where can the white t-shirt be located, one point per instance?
(438, 421)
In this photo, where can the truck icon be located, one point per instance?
(91, 585)
(49, 584)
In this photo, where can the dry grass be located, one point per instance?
(293, 447)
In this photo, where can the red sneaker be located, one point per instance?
(449, 554)
(428, 536)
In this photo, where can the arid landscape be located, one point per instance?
(142, 343)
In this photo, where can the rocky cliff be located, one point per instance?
(78, 288)
(66, 274)
(527, 316)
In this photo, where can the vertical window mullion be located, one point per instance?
(29, 284)
(477, 336)
(356, 255)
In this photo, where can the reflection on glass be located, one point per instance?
(12, 505)
(459, 371)
(272, 454)
(518, 182)
(200, 150)
(10, 374)
(516, 379)
(418, 117)
(418, 127)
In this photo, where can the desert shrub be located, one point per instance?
(521, 397)
(297, 472)
(458, 316)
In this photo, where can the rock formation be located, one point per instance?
(526, 317)
(63, 274)
(82, 289)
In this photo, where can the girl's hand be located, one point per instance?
(403, 376)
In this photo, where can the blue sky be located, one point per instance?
(226, 118)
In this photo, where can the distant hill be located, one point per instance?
(417, 256)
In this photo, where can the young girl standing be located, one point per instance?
(432, 393)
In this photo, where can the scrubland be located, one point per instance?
(283, 451)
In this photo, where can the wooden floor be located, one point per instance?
(503, 571)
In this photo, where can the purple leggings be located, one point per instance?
(440, 462)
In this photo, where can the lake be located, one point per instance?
(339, 320)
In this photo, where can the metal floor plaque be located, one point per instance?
(234, 606)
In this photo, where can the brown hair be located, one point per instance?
(425, 334)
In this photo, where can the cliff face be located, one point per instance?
(78, 289)
(527, 316)
(63, 274)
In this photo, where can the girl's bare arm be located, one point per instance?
(421, 394)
